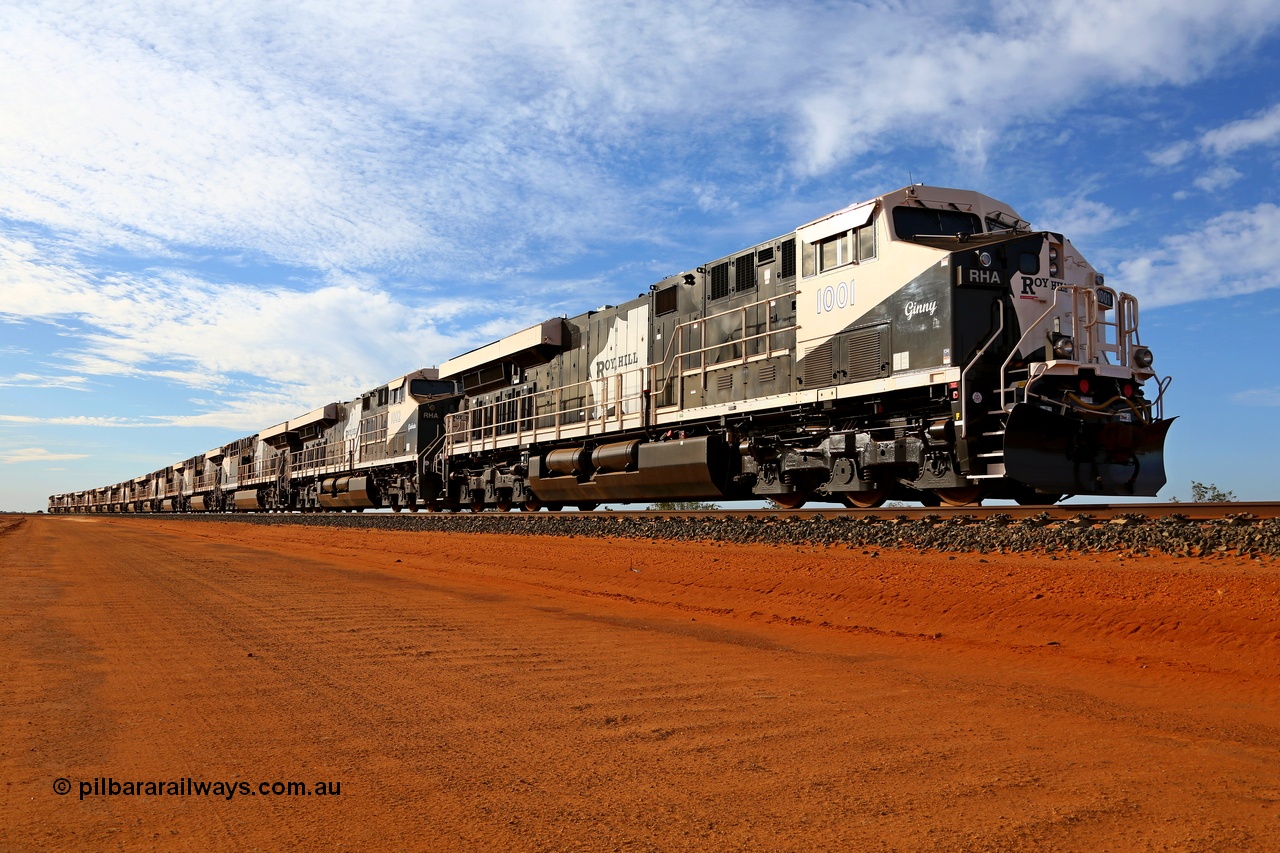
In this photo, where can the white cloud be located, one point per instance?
(262, 352)
(1171, 155)
(469, 133)
(1261, 129)
(1258, 397)
(1217, 178)
(1231, 138)
(1234, 253)
(36, 380)
(1079, 217)
(36, 454)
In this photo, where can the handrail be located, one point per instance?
(1004, 368)
(668, 358)
(615, 398)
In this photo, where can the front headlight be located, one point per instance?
(1064, 347)
(1142, 358)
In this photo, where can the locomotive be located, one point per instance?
(925, 345)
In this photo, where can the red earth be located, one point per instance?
(520, 693)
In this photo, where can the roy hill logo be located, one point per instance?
(1031, 284)
(617, 363)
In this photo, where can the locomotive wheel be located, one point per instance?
(587, 506)
(794, 500)
(555, 507)
(477, 506)
(531, 505)
(504, 506)
(869, 499)
(395, 507)
(961, 495)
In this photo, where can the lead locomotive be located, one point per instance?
(925, 345)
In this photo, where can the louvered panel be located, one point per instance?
(724, 382)
(768, 373)
(720, 281)
(866, 351)
(817, 367)
(788, 259)
(744, 273)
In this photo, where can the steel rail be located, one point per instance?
(1101, 512)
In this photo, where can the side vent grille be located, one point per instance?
(764, 255)
(768, 373)
(724, 382)
(817, 367)
(720, 281)
(745, 278)
(788, 258)
(867, 354)
(664, 301)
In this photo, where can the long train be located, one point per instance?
(926, 345)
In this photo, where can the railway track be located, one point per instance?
(1205, 511)
(1241, 529)
(1103, 512)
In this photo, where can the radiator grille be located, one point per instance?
(768, 373)
(788, 248)
(724, 382)
(720, 281)
(745, 269)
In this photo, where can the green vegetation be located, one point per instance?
(1202, 493)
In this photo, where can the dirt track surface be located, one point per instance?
(496, 692)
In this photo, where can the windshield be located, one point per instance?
(912, 221)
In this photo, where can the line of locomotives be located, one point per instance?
(926, 345)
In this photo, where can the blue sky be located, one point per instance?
(213, 220)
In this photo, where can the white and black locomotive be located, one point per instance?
(926, 345)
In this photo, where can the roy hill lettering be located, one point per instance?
(1030, 284)
(616, 364)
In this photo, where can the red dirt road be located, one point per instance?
(492, 692)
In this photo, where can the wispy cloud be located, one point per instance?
(1217, 178)
(1258, 397)
(254, 351)
(1078, 216)
(1234, 253)
(1262, 128)
(36, 380)
(319, 135)
(36, 454)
